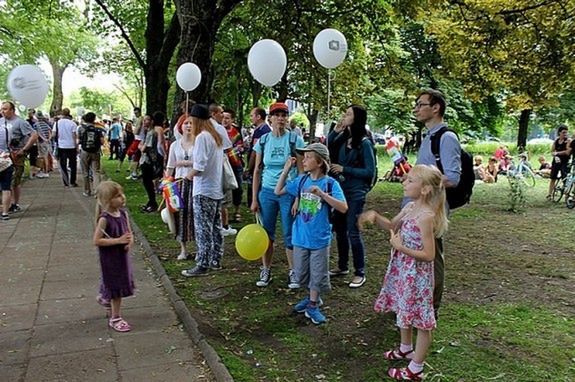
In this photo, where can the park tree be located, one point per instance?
(35, 30)
(522, 49)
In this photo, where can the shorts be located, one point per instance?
(227, 198)
(33, 152)
(557, 168)
(19, 162)
(272, 204)
(44, 149)
(6, 179)
(311, 267)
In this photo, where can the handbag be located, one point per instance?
(229, 181)
(5, 161)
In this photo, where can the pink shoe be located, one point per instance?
(119, 324)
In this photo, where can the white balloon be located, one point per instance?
(27, 85)
(188, 76)
(267, 62)
(330, 48)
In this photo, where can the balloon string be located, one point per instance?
(328, 91)
(259, 219)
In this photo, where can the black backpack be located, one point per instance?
(90, 139)
(461, 194)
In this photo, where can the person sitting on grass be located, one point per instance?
(544, 167)
(315, 195)
(490, 171)
(408, 284)
(478, 169)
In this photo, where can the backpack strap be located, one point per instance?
(435, 142)
(301, 183)
(262, 141)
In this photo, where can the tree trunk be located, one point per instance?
(523, 129)
(312, 117)
(57, 94)
(200, 21)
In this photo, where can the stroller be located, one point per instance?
(400, 167)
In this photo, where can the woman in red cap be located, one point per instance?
(272, 151)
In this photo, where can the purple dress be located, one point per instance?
(115, 261)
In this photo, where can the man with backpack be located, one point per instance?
(91, 141)
(429, 109)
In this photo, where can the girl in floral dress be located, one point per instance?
(408, 284)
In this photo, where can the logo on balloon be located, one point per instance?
(333, 45)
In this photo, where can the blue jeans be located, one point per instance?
(270, 205)
(348, 234)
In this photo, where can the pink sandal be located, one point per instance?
(102, 301)
(404, 374)
(396, 354)
(119, 324)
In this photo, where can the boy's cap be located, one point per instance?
(278, 106)
(200, 111)
(318, 148)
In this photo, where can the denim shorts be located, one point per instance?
(272, 204)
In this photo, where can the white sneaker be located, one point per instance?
(42, 175)
(183, 256)
(292, 280)
(228, 231)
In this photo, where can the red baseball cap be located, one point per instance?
(278, 106)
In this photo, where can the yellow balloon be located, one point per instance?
(252, 242)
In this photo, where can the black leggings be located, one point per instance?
(148, 181)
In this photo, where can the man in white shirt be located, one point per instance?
(67, 141)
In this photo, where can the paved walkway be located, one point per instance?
(52, 329)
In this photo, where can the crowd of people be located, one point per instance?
(313, 190)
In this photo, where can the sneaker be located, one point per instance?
(338, 272)
(183, 256)
(216, 265)
(15, 208)
(301, 306)
(196, 271)
(88, 193)
(357, 281)
(42, 174)
(228, 231)
(265, 277)
(5, 217)
(315, 315)
(292, 280)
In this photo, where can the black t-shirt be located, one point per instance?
(572, 146)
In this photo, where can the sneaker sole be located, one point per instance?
(335, 274)
(352, 285)
(194, 274)
(262, 284)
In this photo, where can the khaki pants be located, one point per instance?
(90, 163)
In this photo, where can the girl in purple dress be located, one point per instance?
(113, 237)
(408, 284)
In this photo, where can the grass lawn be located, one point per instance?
(508, 312)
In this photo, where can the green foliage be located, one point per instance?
(100, 102)
(300, 119)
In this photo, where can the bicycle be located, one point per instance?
(562, 187)
(523, 172)
(568, 188)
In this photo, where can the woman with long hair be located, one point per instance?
(353, 165)
(152, 160)
(206, 173)
(272, 151)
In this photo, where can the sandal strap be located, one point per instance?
(119, 324)
(404, 374)
(396, 354)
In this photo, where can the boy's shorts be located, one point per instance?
(6, 179)
(312, 268)
(19, 163)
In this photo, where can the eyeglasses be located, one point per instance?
(420, 104)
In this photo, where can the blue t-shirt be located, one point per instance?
(311, 227)
(115, 131)
(276, 152)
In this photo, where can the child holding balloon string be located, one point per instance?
(316, 194)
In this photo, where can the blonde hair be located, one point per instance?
(200, 125)
(478, 158)
(105, 192)
(435, 198)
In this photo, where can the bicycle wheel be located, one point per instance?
(529, 177)
(557, 193)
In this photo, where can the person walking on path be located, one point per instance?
(65, 131)
(91, 141)
(408, 284)
(114, 239)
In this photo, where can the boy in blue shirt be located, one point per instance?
(316, 194)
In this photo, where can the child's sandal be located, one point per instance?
(396, 354)
(404, 374)
(238, 218)
(119, 324)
